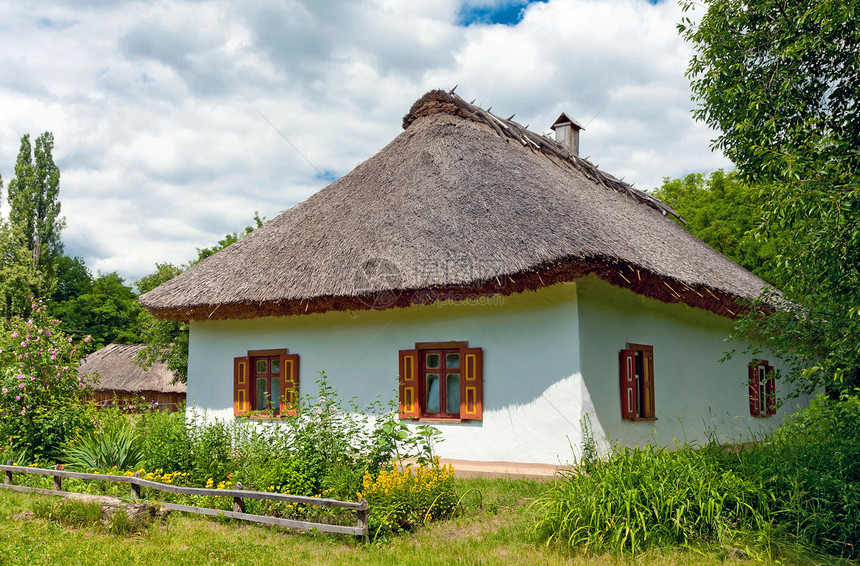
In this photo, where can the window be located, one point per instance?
(441, 381)
(637, 382)
(762, 389)
(265, 381)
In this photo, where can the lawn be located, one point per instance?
(494, 528)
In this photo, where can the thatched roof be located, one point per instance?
(118, 372)
(462, 203)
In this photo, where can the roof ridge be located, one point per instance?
(440, 102)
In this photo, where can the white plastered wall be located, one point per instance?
(696, 395)
(534, 394)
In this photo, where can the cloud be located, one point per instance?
(175, 122)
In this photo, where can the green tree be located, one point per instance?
(34, 203)
(724, 212)
(17, 276)
(780, 81)
(109, 311)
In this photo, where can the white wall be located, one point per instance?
(534, 396)
(695, 394)
(550, 358)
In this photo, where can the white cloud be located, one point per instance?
(156, 107)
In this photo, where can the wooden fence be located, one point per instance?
(238, 495)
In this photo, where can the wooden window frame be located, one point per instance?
(244, 384)
(413, 382)
(761, 384)
(638, 398)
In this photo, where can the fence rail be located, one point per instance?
(239, 496)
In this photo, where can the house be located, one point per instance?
(502, 287)
(121, 382)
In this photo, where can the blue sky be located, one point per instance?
(175, 121)
(508, 13)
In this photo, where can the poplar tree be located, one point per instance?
(34, 203)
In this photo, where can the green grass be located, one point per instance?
(496, 532)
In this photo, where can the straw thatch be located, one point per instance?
(462, 203)
(119, 374)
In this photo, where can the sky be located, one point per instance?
(174, 122)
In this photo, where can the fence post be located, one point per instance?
(8, 479)
(238, 503)
(58, 481)
(135, 489)
(361, 518)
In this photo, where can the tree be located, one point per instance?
(17, 276)
(34, 203)
(780, 81)
(722, 211)
(108, 311)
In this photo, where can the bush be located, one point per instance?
(41, 394)
(403, 498)
(166, 440)
(811, 468)
(114, 444)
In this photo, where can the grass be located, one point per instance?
(496, 532)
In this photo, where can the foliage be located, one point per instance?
(723, 211)
(109, 312)
(41, 395)
(811, 469)
(19, 279)
(166, 440)
(781, 83)
(401, 498)
(34, 202)
(649, 497)
(114, 444)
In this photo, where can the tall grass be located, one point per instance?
(799, 486)
(649, 497)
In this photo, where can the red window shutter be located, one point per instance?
(770, 391)
(289, 384)
(410, 406)
(472, 383)
(628, 384)
(648, 409)
(241, 387)
(754, 391)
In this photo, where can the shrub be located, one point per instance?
(811, 468)
(115, 444)
(41, 394)
(403, 498)
(166, 440)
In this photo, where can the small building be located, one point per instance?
(121, 382)
(505, 289)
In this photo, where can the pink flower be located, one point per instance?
(21, 376)
(53, 357)
(14, 335)
(87, 338)
(20, 386)
(23, 411)
(32, 378)
(17, 397)
(4, 390)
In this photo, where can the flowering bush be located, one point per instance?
(401, 499)
(41, 392)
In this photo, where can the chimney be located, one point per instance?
(567, 133)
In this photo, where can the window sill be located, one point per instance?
(436, 420)
(641, 419)
(761, 416)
